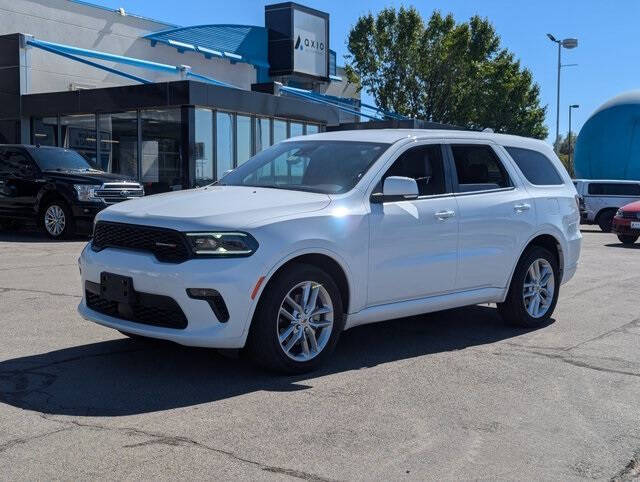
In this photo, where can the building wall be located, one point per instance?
(89, 27)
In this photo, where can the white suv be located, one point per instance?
(319, 234)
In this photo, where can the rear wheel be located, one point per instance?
(627, 238)
(605, 220)
(533, 293)
(56, 219)
(297, 322)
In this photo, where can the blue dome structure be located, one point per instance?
(608, 146)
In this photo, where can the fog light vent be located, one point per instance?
(215, 300)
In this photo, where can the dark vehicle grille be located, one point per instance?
(149, 309)
(115, 192)
(167, 245)
(630, 215)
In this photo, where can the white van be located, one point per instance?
(601, 198)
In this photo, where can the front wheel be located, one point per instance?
(56, 220)
(533, 293)
(627, 238)
(298, 321)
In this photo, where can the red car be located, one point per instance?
(626, 223)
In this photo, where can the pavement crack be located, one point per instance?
(4, 289)
(619, 329)
(631, 470)
(582, 364)
(155, 438)
(25, 440)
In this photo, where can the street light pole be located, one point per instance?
(572, 106)
(568, 43)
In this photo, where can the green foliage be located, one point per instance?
(562, 150)
(444, 71)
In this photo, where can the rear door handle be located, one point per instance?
(520, 208)
(442, 215)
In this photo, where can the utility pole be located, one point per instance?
(568, 43)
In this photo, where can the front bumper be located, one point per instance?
(623, 226)
(233, 278)
(84, 214)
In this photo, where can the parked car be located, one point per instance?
(57, 188)
(600, 199)
(626, 223)
(319, 234)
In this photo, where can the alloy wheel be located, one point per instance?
(305, 321)
(54, 220)
(539, 287)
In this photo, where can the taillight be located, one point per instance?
(579, 202)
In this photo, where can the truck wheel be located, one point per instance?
(627, 238)
(298, 321)
(533, 293)
(56, 219)
(605, 220)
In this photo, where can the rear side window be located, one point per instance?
(536, 167)
(478, 168)
(614, 189)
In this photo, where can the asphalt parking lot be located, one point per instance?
(452, 395)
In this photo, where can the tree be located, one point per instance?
(444, 71)
(562, 150)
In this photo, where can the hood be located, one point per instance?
(633, 207)
(220, 207)
(86, 177)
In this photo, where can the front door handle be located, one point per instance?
(520, 208)
(443, 215)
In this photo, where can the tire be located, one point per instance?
(627, 238)
(605, 220)
(56, 210)
(269, 324)
(514, 309)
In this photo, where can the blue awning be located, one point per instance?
(238, 43)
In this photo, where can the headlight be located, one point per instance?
(86, 192)
(222, 244)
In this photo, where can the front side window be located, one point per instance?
(478, 168)
(614, 189)
(15, 163)
(535, 166)
(317, 166)
(424, 164)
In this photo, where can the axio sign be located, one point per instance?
(310, 50)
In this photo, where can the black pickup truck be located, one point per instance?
(57, 188)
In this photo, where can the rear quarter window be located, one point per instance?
(536, 167)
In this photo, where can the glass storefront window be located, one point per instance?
(224, 142)
(203, 151)
(263, 134)
(78, 132)
(243, 139)
(44, 131)
(162, 164)
(312, 129)
(279, 130)
(119, 143)
(296, 129)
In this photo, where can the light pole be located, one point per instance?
(571, 107)
(568, 43)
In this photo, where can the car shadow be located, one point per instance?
(636, 245)
(125, 377)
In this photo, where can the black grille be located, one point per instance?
(148, 309)
(630, 215)
(167, 245)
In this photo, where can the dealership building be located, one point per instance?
(169, 105)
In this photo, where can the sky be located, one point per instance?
(608, 57)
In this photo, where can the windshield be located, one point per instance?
(59, 160)
(329, 167)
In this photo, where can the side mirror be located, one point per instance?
(397, 188)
